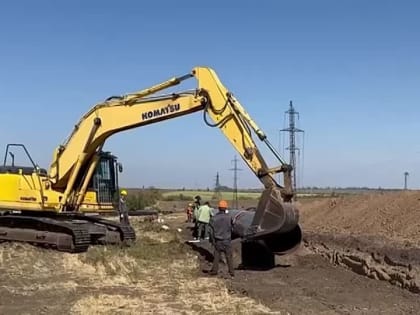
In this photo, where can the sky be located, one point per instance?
(351, 68)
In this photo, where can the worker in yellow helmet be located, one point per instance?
(123, 211)
(221, 236)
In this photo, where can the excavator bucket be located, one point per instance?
(273, 225)
(273, 216)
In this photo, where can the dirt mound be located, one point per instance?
(376, 235)
(394, 215)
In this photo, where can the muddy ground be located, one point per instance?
(315, 280)
(360, 255)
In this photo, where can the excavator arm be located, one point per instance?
(75, 160)
(236, 124)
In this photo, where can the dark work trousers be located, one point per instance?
(123, 213)
(222, 246)
(202, 230)
(195, 229)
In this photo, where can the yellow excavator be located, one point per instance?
(55, 207)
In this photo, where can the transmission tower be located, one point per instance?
(405, 180)
(235, 170)
(217, 192)
(292, 130)
(217, 185)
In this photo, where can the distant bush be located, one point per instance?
(143, 198)
(179, 197)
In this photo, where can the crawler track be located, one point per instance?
(126, 232)
(72, 233)
(47, 232)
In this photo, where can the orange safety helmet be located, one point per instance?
(223, 204)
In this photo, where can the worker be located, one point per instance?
(189, 211)
(197, 199)
(204, 215)
(122, 207)
(195, 216)
(221, 237)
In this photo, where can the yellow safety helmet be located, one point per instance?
(124, 192)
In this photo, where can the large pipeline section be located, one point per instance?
(283, 237)
(278, 233)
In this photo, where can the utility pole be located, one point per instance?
(217, 186)
(217, 193)
(292, 130)
(405, 180)
(235, 170)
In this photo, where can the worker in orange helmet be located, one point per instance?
(221, 236)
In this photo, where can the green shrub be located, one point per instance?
(143, 198)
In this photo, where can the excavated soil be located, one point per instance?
(375, 235)
(308, 282)
(360, 255)
(370, 256)
(392, 215)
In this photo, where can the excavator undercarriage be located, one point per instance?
(72, 233)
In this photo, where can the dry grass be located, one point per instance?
(156, 275)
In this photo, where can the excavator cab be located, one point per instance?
(104, 182)
(102, 191)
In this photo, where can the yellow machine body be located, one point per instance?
(32, 192)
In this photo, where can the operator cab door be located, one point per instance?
(105, 179)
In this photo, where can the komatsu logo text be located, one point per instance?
(168, 109)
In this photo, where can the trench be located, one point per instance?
(370, 256)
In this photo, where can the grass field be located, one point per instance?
(207, 195)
